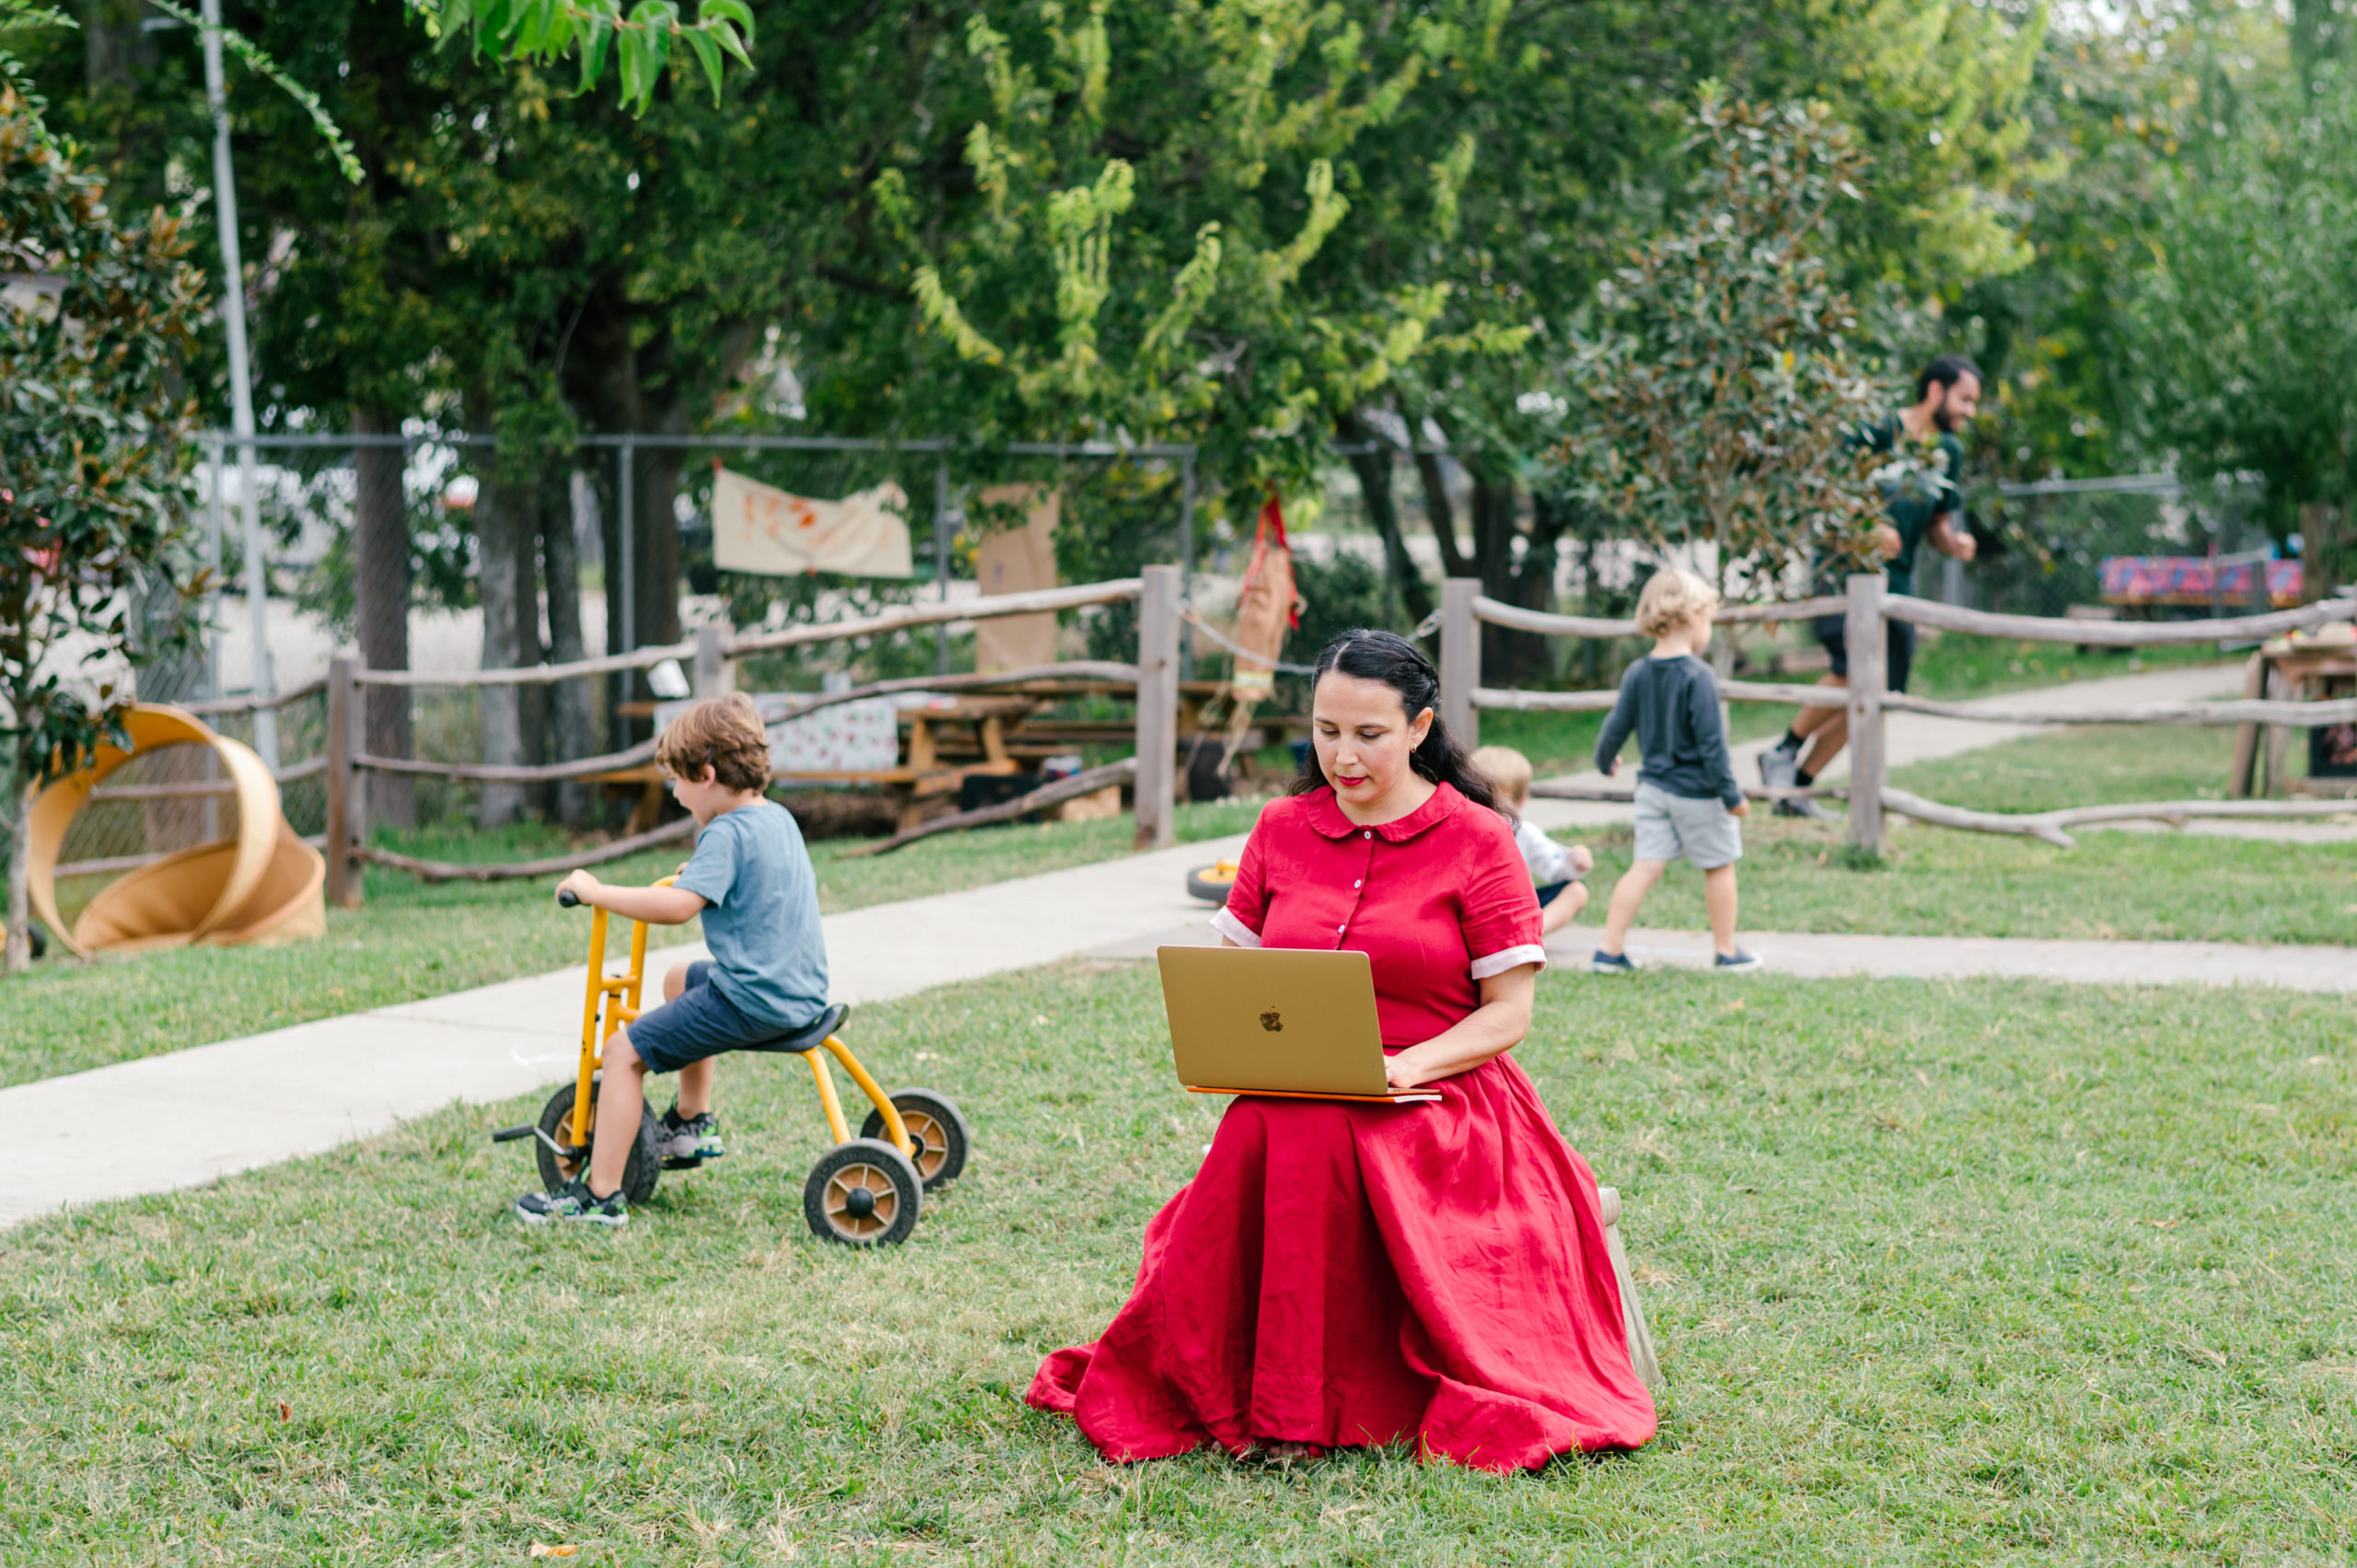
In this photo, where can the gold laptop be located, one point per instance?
(1277, 1021)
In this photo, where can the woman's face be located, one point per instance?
(1365, 735)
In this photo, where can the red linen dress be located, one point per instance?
(1343, 1273)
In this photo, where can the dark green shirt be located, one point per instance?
(1912, 501)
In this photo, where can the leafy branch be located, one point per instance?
(250, 55)
(639, 41)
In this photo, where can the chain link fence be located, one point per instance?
(444, 553)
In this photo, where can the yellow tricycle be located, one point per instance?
(864, 1191)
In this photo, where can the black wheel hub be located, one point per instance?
(859, 1203)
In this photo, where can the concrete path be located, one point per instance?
(1917, 958)
(1914, 737)
(178, 1120)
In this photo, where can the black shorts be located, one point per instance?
(1832, 631)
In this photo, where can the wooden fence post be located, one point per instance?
(346, 735)
(1868, 640)
(1460, 659)
(715, 674)
(1158, 707)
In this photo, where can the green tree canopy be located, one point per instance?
(95, 323)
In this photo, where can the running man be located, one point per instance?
(1926, 505)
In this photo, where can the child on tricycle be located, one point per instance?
(751, 881)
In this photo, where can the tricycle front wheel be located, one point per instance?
(639, 1173)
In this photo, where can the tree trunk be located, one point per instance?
(1441, 516)
(1374, 471)
(20, 898)
(380, 575)
(504, 511)
(572, 719)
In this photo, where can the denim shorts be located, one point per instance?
(1704, 834)
(700, 1024)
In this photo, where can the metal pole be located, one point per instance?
(625, 531)
(941, 562)
(215, 525)
(241, 396)
(1187, 559)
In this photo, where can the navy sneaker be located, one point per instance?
(687, 1143)
(572, 1201)
(1612, 963)
(1738, 961)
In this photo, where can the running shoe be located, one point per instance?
(687, 1143)
(572, 1201)
(1803, 806)
(1739, 961)
(1612, 963)
(1780, 767)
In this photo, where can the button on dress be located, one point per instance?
(1341, 1274)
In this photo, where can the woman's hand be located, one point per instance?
(1495, 1027)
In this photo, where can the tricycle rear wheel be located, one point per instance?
(863, 1193)
(639, 1173)
(936, 1127)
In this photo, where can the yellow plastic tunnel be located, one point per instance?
(263, 884)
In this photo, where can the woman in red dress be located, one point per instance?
(1339, 1273)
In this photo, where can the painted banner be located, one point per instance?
(759, 528)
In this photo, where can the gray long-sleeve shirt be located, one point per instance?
(1673, 705)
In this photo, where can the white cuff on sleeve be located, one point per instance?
(1235, 930)
(1513, 958)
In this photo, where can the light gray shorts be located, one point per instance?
(1704, 834)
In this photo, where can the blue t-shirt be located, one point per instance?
(760, 920)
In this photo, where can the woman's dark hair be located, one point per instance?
(1387, 657)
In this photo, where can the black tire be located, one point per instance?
(644, 1170)
(863, 1193)
(1210, 883)
(1207, 779)
(935, 1126)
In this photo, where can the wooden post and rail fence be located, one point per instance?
(1866, 610)
(714, 654)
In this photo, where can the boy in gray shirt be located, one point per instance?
(1688, 801)
(751, 881)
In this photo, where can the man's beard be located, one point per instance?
(1948, 422)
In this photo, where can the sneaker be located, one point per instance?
(1738, 961)
(1612, 963)
(572, 1201)
(1803, 806)
(1779, 767)
(686, 1143)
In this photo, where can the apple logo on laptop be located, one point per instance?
(1273, 1021)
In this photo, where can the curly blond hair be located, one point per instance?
(724, 734)
(1671, 595)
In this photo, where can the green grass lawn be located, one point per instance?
(1941, 1274)
(2098, 765)
(1937, 882)
(409, 940)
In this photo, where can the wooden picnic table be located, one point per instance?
(2293, 671)
(946, 740)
